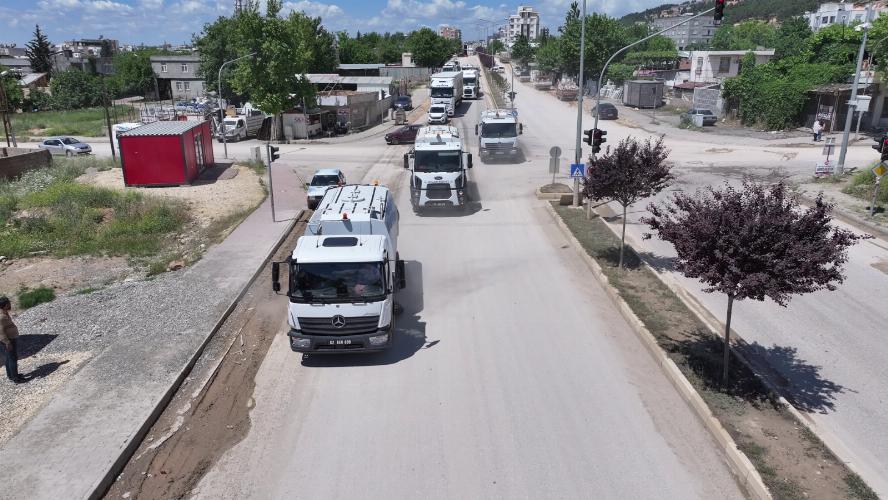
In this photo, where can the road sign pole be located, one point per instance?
(270, 183)
(875, 197)
(579, 150)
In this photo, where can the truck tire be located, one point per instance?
(400, 271)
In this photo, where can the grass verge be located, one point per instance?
(30, 298)
(88, 122)
(498, 86)
(46, 212)
(862, 186)
(792, 464)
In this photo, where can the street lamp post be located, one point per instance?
(219, 97)
(849, 115)
(578, 157)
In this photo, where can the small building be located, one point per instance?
(643, 93)
(324, 82)
(33, 81)
(718, 65)
(299, 124)
(358, 109)
(178, 76)
(360, 69)
(166, 153)
(21, 65)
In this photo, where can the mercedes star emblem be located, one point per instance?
(338, 321)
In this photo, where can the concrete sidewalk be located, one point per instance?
(69, 448)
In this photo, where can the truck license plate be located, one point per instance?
(340, 342)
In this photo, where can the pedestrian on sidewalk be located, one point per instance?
(818, 130)
(9, 341)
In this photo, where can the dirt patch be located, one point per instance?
(211, 411)
(208, 200)
(793, 463)
(65, 274)
(556, 188)
(719, 150)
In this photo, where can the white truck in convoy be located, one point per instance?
(498, 133)
(241, 126)
(452, 65)
(447, 89)
(471, 84)
(438, 165)
(344, 272)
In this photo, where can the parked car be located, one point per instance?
(438, 114)
(403, 134)
(498, 69)
(323, 180)
(708, 117)
(607, 111)
(67, 146)
(404, 101)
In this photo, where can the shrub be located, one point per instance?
(30, 298)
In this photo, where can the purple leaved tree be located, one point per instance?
(627, 173)
(753, 242)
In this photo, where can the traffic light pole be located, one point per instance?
(268, 162)
(849, 116)
(578, 158)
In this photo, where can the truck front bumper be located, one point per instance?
(420, 199)
(368, 342)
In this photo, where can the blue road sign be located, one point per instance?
(578, 170)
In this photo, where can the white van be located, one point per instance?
(438, 114)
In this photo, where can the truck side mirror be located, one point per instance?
(470, 160)
(401, 274)
(406, 161)
(476, 129)
(520, 128)
(276, 276)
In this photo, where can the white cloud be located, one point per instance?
(314, 9)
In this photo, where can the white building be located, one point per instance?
(526, 22)
(716, 65)
(843, 13)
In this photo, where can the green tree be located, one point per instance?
(107, 50)
(11, 87)
(836, 45)
(792, 38)
(38, 51)
(569, 41)
(352, 50)
(75, 89)
(604, 36)
(495, 46)
(133, 73)
(316, 40)
(620, 73)
(522, 51)
(429, 49)
(216, 45)
(748, 35)
(548, 56)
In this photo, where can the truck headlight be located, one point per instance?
(378, 340)
(300, 343)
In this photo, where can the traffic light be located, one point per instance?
(719, 10)
(598, 139)
(588, 134)
(273, 153)
(512, 95)
(880, 143)
(884, 150)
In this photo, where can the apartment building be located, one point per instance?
(525, 22)
(697, 32)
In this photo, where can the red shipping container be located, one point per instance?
(166, 153)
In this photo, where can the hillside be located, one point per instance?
(747, 9)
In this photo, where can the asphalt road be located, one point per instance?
(829, 348)
(513, 376)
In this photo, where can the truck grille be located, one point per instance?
(498, 146)
(438, 191)
(353, 326)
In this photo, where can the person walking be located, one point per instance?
(818, 130)
(9, 341)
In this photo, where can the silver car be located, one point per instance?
(65, 145)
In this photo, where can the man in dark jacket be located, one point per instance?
(8, 341)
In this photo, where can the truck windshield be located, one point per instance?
(442, 92)
(437, 161)
(339, 281)
(498, 130)
(468, 81)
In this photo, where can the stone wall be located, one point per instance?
(16, 161)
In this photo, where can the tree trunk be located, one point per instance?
(727, 354)
(623, 237)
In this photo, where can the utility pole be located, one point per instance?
(221, 110)
(4, 110)
(578, 158)
(849, 118)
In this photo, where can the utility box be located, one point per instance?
(166, 153)
(643, 93)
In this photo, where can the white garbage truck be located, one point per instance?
(498, 133)
(438, 165)
(471, 84)
(447, 88)
(344, 272)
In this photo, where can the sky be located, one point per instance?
(153, 22)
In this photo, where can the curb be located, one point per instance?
(717, 326)
(851, 218)
(746, 473)
(552, 196)
(133, 444)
